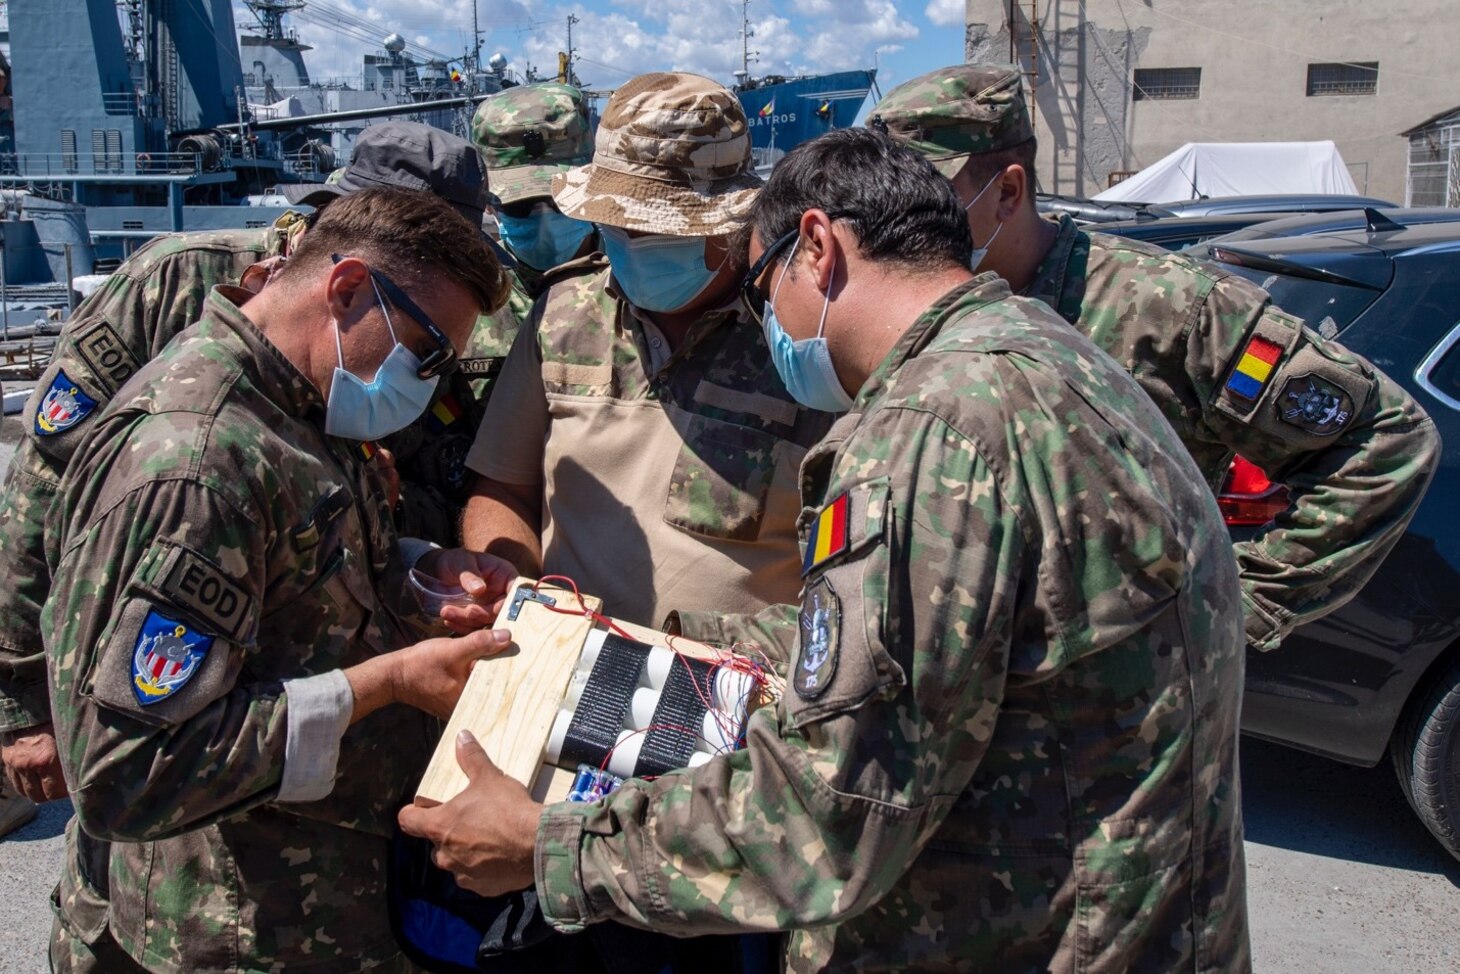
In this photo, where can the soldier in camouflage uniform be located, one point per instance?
(527, 135)
(227, 586)
(135, 313)
(1009, 739)
(1231, 373)
(639, 440)
(639, 411)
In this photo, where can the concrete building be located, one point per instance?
(1120, 83)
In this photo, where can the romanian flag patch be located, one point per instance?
(1254, 368)
(828, 537)
(446, 411)
(367, 450)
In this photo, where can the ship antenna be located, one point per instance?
(746, 33)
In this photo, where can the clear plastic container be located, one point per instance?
(433, 595)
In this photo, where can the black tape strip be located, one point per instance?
(604, 706)
(678, 717)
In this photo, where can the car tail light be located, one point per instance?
(1248, 498)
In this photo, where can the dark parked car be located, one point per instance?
(1272, 203)
(1308, 224)
(1383, 672)
(1109, 211)
(1181, 232)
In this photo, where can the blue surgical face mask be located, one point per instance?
(658, 272)
(545, 238)
(979, 253)
(805, 366)
(393, 400)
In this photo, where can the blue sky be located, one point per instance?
(616, 39)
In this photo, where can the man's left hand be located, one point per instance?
(485, 578)
(485, 836)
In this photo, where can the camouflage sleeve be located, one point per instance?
(896, 687)
(156, 600)
(25, 499)
(121, 325)
(1354, 450)
(771, 632)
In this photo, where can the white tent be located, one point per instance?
(1200, 169)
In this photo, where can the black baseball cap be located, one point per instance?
(407, 155)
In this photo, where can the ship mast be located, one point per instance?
(747, 56)
(270, 15)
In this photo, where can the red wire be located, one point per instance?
(583, 609)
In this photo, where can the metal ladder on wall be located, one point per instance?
(1050, 51)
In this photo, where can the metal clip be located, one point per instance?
(527, 595)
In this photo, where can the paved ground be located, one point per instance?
(1341, 877)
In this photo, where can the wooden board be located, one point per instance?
(511, 700)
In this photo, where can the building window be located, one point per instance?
(1167, 83)
(1357, 78)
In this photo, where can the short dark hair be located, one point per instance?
(983, 167)
(902, 210)
(409, 236)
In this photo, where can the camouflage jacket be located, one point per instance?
(1009, 736)
(1234, 375)
(209, 542)
(157, 293)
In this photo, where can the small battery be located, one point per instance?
(591, 784)
(583, 783)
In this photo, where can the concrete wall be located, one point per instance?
(1254, 56)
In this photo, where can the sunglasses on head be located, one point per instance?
(440, 360)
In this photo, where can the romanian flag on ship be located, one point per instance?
(769, 109)
(1255, 367)
(446, 411)
(828, 535)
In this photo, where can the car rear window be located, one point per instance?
(1326, 306)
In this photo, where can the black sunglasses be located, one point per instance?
(750, 290)
(435, 363)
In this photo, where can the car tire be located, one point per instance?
(1426, 753)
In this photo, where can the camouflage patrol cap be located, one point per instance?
(529, 134)
(672, 156)
(407, 155)
(955, 112)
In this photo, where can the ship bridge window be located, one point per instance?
(1166, 83)
(1351, 78)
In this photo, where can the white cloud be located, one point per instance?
(945, 13)
(617, 39)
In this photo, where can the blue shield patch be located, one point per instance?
(62, 407)
(165, 658)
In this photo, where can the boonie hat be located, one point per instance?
(407, 155)
(672, 156)
(955, 112)
(529, 134)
